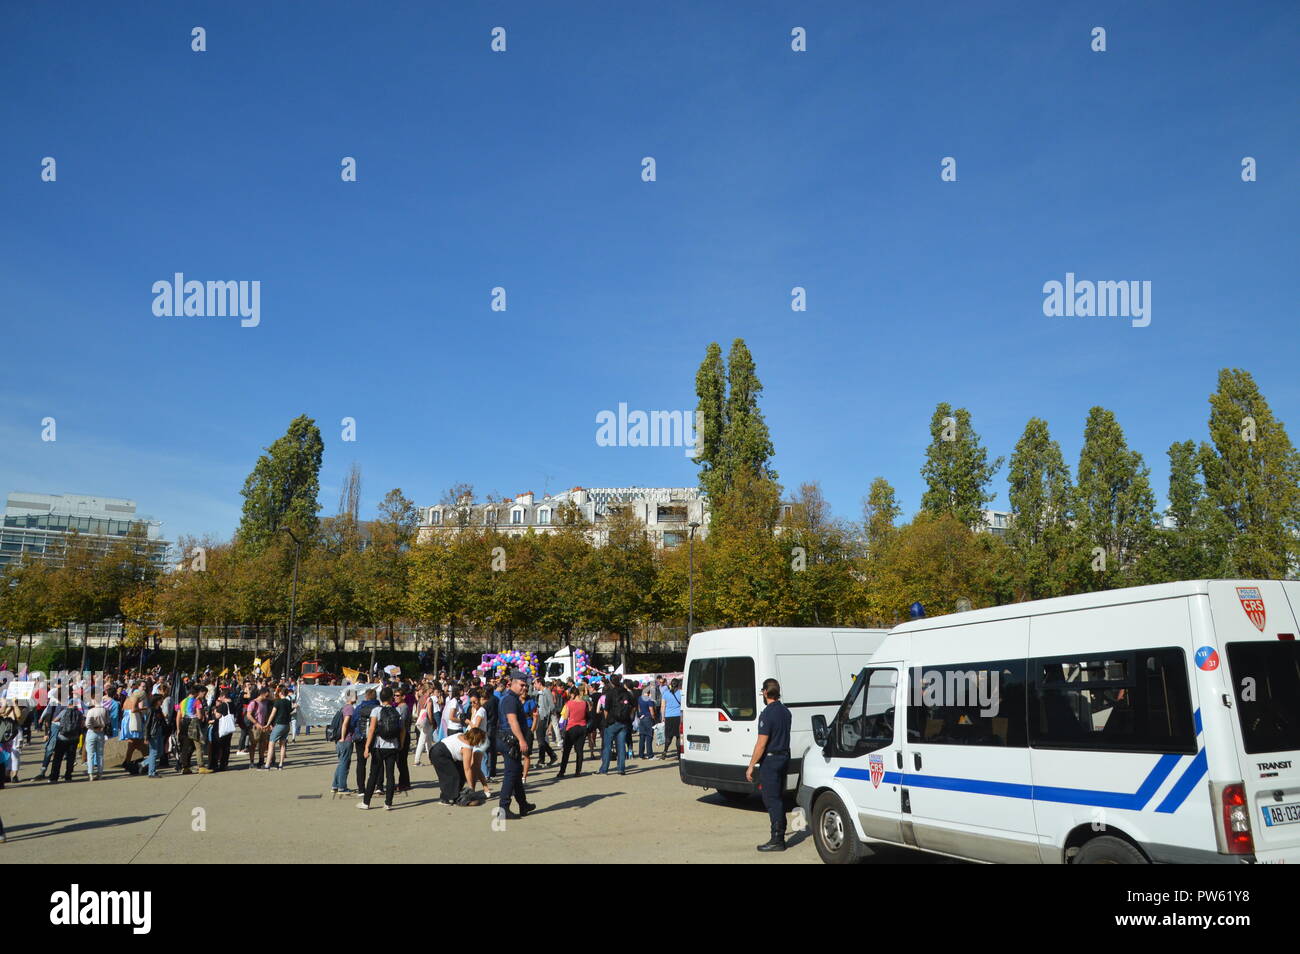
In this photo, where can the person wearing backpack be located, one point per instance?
(97, 725)
(385, 737)
(189, 727)
(618, 724)
(360, 731)
(67, 733)
(157, 728)
(340, 733)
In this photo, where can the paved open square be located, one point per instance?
(278, 816)
(243, 815)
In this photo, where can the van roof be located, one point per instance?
(1064, 604)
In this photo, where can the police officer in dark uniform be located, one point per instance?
(772, 756)
(512, 741)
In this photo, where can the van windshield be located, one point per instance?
(1266, 677)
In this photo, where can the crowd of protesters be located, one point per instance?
(472, 729)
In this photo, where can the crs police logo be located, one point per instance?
(1253, 603)
(877, 766)
(1207, 659)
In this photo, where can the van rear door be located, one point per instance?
(720, 719)
(1255, 627)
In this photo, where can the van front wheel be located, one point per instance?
(1108, 850)
(833, 832)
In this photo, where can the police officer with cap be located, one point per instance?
(772, 756)
(512, 741)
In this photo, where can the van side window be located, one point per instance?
(1267, 680)
(967, 704)
(866, 720)
(1134, 701)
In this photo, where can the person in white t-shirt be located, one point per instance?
(382, 748)
(457, 758)
(451, 723)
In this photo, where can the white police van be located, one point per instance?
(722, 694)
(1151, 724)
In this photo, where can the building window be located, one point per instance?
(489, 518)
(544, 517)
(516, 517)
(435, 517)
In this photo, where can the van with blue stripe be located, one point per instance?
(1149, 724)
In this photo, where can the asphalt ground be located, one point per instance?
(243, 815)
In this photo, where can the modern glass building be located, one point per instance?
(35, 525)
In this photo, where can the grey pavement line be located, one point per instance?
(184, 795)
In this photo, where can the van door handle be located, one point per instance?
(724, 728)
(916, 760)
(898, 758)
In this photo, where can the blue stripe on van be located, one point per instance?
(1136, 801)
(1183, 787)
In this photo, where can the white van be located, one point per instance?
(721, 697)
(1152, 724)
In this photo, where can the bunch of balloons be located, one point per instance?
(502, 663)
(580, 665)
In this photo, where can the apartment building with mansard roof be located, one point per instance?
(666, 512)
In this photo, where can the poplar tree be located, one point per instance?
(711, 389)
(746, 441)
(1252, 479)
(880, 512)
(1114, 507)
(734, 438)
(957, 471)
(283, 486)
(1193, 548)
(1039, 489)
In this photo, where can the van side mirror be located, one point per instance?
(821, 732)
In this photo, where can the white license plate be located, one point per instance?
(697, 746)
(1287, 814)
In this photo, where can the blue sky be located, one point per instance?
(522, 169)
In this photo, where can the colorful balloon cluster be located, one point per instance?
(580, 664)
(502, 663)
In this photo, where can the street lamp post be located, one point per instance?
(293, 602)
(690, 600)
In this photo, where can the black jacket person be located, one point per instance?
(772, 756)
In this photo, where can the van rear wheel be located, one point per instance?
(1108, 850)
(833, 832)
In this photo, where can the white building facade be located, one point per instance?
(666, 513)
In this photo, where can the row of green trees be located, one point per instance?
(769, 557)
